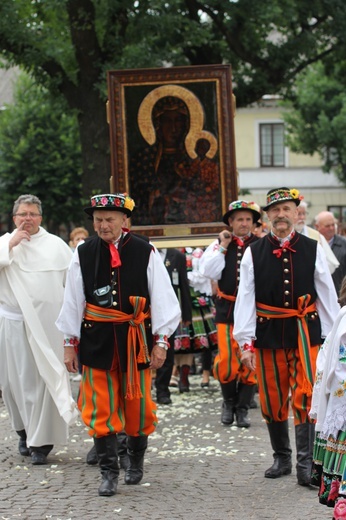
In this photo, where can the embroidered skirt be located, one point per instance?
(329, 468)
(201, 333)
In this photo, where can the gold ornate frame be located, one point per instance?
(206, 91)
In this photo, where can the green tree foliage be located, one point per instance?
(68, 45)
(40, 154)
(316, 117)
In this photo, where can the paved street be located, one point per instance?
(195, 469)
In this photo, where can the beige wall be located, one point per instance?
(246, 125)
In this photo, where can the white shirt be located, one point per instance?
(163, 254)
(212, 262)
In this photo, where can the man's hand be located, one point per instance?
(225, 238)
(249, 359)
(71, 359)
(158, 356)
(18, 236)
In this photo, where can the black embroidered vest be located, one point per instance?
(229, 281)
(279, 282)
(101, 342)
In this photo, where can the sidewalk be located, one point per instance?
(195, 469)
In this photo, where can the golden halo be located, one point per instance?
(190, 143)
(194, 106)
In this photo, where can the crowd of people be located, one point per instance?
(263, 306)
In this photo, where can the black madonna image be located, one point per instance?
(174, 176)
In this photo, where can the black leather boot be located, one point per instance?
(124, 460)
(22, 447)
(136, 447)
(107, 454)
(280, 441)
(305, 435)
(245, 394)
(242, 416)
(229, 394)
(184, 384)
(91, 457)
(253, 402)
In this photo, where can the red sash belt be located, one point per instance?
(304, 308)
(228, 297)
(136, 335)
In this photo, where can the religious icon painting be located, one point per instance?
(172, 147)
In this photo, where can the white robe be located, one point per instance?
(33, 378)
(328, 405)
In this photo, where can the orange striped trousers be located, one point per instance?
(280, 371)
(104, 408)
(227, 364)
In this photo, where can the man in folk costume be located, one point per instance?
(119, 309)
(286, 303)
(221, 262)
(33, 378)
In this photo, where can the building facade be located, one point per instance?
(264, 162)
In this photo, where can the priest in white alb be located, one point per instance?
(34, 381)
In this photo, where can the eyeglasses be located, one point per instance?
(24, 215)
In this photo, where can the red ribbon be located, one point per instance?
(238, 241)
(285, 245)
(115, 257)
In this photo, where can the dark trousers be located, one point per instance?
(207, 359)
(163, 374)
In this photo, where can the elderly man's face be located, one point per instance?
(29, 214)
(326, 226)
(108, 224)
(301, 218)
(282, 217)
(301, 214)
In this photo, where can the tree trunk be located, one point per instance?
(94, 135)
